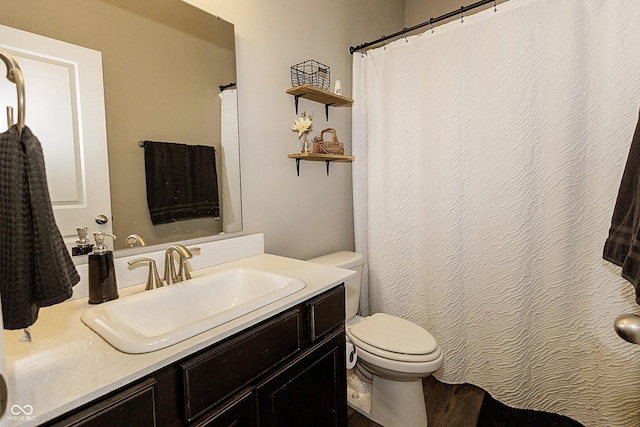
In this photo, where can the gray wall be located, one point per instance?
(312, 214)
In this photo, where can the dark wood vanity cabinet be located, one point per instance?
(288, 370)
(309, 392)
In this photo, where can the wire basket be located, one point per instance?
(311, 73)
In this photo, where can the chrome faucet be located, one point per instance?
(170, 275)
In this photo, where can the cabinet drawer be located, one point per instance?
(216, 374)
(326, 312)
(135, 406)
(237, 412)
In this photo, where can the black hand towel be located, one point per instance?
(35, 266)
(182, 182)
(622, 247)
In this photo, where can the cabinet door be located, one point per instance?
(218, 373)
(310, 392)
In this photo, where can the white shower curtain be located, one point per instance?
(229, 159)
(488, 159)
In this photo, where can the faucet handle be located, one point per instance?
(153, 279)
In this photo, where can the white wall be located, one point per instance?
(312, 214)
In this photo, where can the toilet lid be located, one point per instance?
(394, 335)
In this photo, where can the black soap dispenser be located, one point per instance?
(102, 273)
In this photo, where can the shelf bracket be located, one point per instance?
(326, 110)
(295, 101)
(327, 162)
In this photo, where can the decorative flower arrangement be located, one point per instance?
(304, 126)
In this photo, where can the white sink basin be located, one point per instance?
(156, 319)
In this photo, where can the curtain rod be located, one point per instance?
(431, 21)
(223, 87)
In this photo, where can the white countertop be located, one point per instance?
(68, 364)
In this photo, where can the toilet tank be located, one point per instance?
(351, 261)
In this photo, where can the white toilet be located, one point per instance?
(393, 356)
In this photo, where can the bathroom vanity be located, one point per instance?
(282, 365)
(288, 370)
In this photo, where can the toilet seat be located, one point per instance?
(394, 338)
(399, 370)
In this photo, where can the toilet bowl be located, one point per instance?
(393, 356)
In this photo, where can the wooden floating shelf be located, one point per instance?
(316, 157)
(312, 93)
(322, 157)
(322, 96)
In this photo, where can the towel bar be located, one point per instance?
(141, 144)
(14, 75)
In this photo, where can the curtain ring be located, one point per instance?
(431, 23)
(461, 14)
(495, 6)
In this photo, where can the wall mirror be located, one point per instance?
(163, 62)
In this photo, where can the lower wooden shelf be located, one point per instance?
(317, 157)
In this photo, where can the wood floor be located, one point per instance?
(447, 405)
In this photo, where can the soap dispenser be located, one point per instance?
(102, 273)
(83, 244)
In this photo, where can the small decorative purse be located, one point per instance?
(334, 146)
